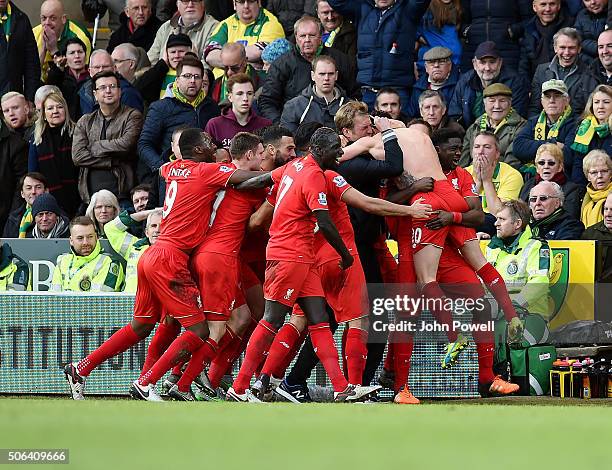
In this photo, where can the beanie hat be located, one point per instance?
(45, 202)
(275, 49)
(178, 40)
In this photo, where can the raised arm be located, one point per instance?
(373, 205)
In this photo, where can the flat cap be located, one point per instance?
(497, 89)
(437, 53)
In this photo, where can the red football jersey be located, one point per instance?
(228, 219)
(191, 188)
(336, 187)
(463, 182)
(301, 190)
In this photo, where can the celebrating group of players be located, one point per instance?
(202, 272)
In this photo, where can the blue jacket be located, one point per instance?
(591, 27)
(469, 88)
(130, 96)
(377, 32)
(163, 117)
(447, 36)
(525, 146)
(423, 84)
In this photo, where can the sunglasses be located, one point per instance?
(546, 163)
(534, 199)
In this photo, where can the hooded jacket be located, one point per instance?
(309, 107)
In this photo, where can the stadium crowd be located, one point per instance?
(519, 94)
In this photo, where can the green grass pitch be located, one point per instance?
(477, 434)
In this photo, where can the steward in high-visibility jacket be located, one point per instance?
(130, 247)
(87, 268)
(14, 272)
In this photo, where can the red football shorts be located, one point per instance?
(443, 197)
(287, 281)
(165, 282)
(248, 277)
(457, 277)
(217, 276)
(345, 290)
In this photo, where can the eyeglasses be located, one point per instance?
(546, 163)
(190, 76)
(234, 68)
(112, 87)
(534, 199)
(598, 172)
(242, 2)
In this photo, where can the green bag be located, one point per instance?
(530, 368)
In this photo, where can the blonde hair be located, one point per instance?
(553, 150)
(41, 123)
(102, 196)
(594, 157)
(345, 116)
(588, 108)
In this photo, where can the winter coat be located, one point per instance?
(13, 165)
(469, 88)
(223, 128)
(566, 227)
(573, 195)
(11, 227)
(493, 20)
(525, 145)
(346, 41)
(385, 40)
(422, 84)
(599, 72)
(597, 232)
(289, 11)
(290, 74)
(446, 36)
(309, 107)
(580, 83)
(590, 27)
(69, 86)
(141, 37)
(130, 96)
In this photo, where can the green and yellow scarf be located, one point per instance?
(553, 132)
(183, 99)
(484, 122)
(26, 222)
(592, 205)
(586, 131)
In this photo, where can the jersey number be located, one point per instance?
(417, 234)
(170, 198)
(285, 184)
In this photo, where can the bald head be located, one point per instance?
(52, 15)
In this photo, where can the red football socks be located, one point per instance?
(282, 368)
(356, 354)
(258, 346)
(401, 362)
(120, 341)
(186, 344)
(495, 283)
(163, 337)
(283, 344)
(324, 346)
(202, 356)
(388, 364)
(224, 358)
(435, 296)
(485, 347)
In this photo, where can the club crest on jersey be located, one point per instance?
(225, 169)
(474, 189)
(455, 183)
(288, 294)
(323, 199)
(179, 172)
(339, 181)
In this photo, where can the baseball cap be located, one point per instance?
(487, 49)
(556, 85)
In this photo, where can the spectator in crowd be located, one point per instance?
(14, 271)
(140, 196)
(499, 118)
(522, 260)
(13, 165)
(593, 132)
(42, 93)
(552, 125)
(18, 114)
(138, 26)
(191, 20)
(53, 32)
(239, 117)
(189, 106)
(337, 32)
(131, 247)
(440, 28)
(154, 82)
(102, 208)
(319, 101)
(279, 146)
(498, 22)
(49, 219)
(597, 167)
(467, 104)
(104, 141)
(20, 220)
(289, 11)
(102, 61)
(549, 167)
(567, 66)
(602, 230)
(19, 61)
(432, 108)
(125, 58)
(273, 51)
(591, 21)
(602, 68)
(389, 101)
(440, 75)
(87, 268)
(234, 61)
(386, 34)
(290, 74)
(69, 72)
(253, 26)
(496, 181)
(550, 221)
(51, 152)
(537, 44)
